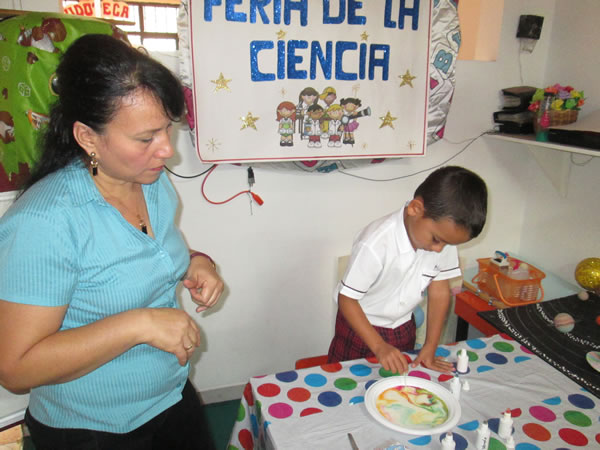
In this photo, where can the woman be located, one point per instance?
(90, 260)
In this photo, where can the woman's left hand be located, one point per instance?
(204, 283)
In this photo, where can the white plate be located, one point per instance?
(445, 395)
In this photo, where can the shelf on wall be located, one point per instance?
(555, 164)
(529, 139)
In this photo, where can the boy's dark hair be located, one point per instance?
(455, 193)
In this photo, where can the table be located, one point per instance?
(533, 326)
(466, 307)
(315, 408)
(468, 303)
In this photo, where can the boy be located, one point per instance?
(394, 260)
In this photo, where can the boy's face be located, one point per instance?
(428, 234)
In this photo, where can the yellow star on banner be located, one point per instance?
(213, 144)
(248, 121)
(221, 83)
(406, 79)
(364, 36)
(388, 120)
(281, 35)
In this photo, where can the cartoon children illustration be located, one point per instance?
(335, 127)
(350, 107)
(308, 96)
(313, 125)
(328, 96)
(286, 115)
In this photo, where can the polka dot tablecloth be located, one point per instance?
(316, 407)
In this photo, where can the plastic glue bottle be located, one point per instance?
(506, 425)
(510, 443)
(483, 436)
(448, 442)
(462, 365)
(455, 387)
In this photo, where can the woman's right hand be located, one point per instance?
(173, 331)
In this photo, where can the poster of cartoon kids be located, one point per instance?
(356, 73)
(317, 123)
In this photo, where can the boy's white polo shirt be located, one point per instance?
(387, 276)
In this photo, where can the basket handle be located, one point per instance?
(475, 279)
(514, 303)
(500, 291)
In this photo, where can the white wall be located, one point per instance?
(280, 263)
(31, 5)
(560, 232)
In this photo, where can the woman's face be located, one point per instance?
(137, 142)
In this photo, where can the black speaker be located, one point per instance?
(530, 27)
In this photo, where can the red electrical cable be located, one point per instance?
(254, 196)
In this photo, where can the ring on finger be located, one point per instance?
(188, 348)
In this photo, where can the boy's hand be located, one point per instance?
(430, 361)
(391, 358)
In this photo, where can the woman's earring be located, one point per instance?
(94, 164)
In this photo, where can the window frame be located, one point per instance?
(152, 34)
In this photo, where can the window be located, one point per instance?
(149, 23)
(155, 25)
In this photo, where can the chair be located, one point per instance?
(311, 361)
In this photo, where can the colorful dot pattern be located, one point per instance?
(558, 420)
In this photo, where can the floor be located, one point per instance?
(221, 417)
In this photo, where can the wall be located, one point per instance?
(31, 5)
(279, 262)
(558, 231)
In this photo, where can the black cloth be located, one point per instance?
(533, 326)
(182, 427)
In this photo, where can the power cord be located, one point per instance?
(252, 195)
(190, 176)
(424, 170)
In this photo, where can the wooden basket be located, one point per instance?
(558, 117)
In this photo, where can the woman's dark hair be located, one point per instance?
(458, 194)
(94, 75)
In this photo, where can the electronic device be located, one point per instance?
(583, 133)
(515, 118)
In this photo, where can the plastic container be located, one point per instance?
(512, 291)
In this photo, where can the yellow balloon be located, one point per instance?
(587, 273)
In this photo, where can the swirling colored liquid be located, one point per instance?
(410, 407)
